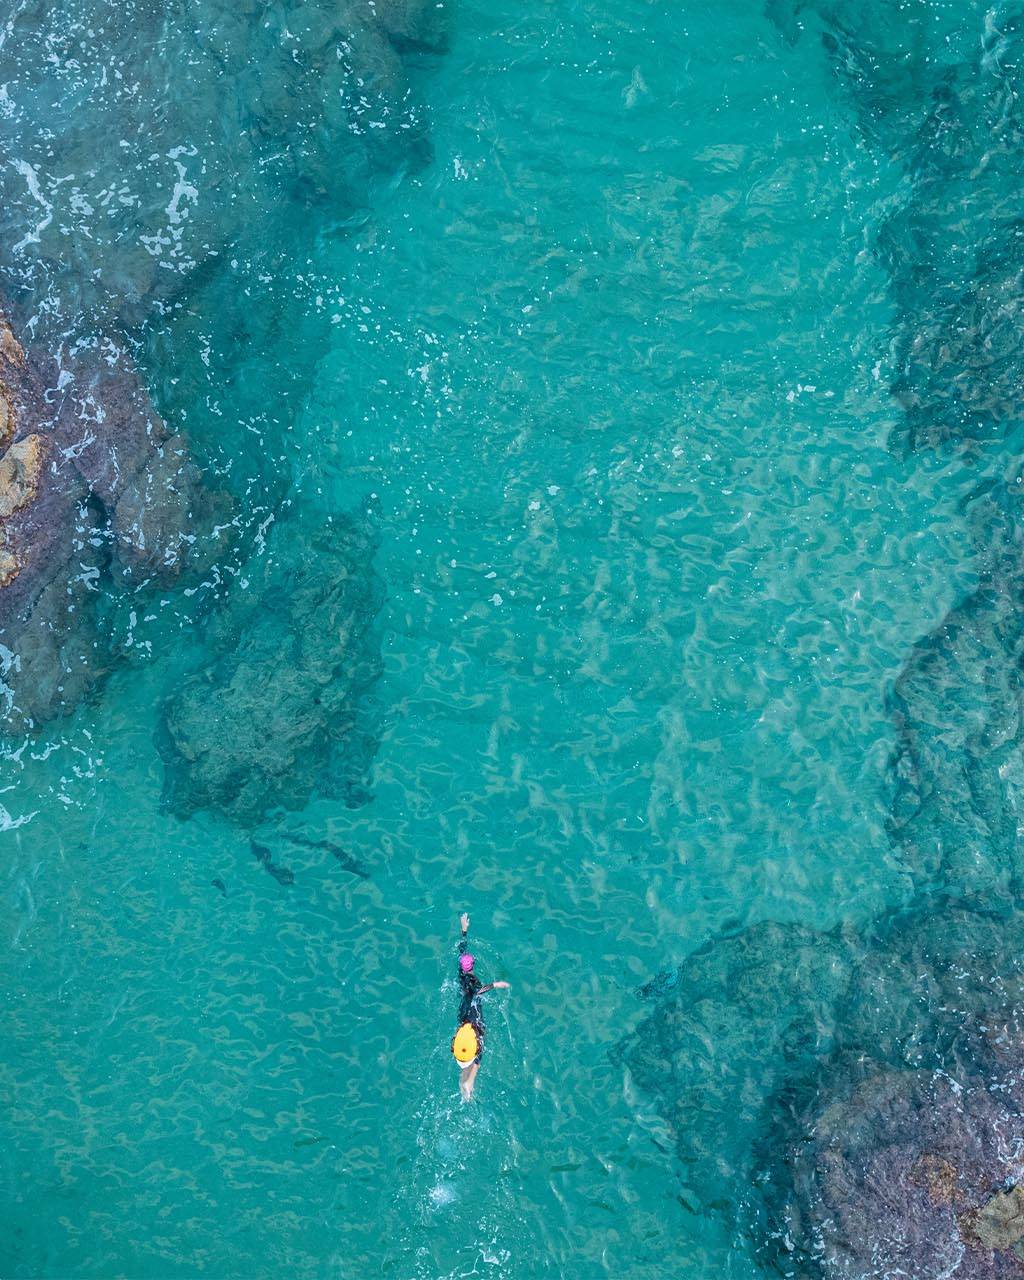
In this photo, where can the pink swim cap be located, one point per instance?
(466, 963)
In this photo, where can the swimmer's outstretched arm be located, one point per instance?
(491, 986)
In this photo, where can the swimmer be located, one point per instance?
(468, 1042)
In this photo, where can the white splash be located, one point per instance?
(31, 177)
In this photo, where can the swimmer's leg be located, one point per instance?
(467, 1079)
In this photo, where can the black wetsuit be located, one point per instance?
(469, 1005)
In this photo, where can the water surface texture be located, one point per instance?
(636, 390)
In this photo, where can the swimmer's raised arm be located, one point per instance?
(464, 921)
(494, 986)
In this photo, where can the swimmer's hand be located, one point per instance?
(464, 921)
(501, 986)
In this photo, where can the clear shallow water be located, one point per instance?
(607, 369)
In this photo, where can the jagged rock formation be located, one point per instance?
(277, 713)
(92, 484)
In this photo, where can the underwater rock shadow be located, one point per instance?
(283, 708)
(953, 245)
(264, 855)
(958, 706)
(947, 118)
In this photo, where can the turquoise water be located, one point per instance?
(616, 348)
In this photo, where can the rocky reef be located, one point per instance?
(914, 1174)
(852, 1101)
(940, 105)
(297, 106)
(94, 489)
(958, 706)
(903, 1149)
(282, 708)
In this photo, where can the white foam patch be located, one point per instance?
(31, 177)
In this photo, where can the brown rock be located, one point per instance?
(93, 486)
(12, 362)
(19, 474)
(10, 348)
(938, 1175)
(999, 1223)
(9, 567)
(7, 416)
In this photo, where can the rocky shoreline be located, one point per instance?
(99, 497)
(94, 489)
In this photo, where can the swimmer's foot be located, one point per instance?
(467, 1080)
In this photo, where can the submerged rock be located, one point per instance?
(864, 1088)
(277, 713)
(902, 1176)
(161, 517)
(958, 705)
(93, 487)
(715, 1045)
(300, 103)
(939, 102)
(958, 345)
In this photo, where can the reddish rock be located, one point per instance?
(93, 486)
(905, 1177)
